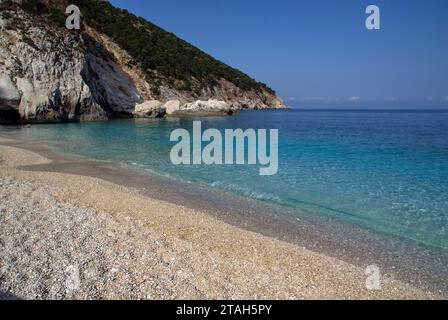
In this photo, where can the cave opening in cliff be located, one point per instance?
(9, 116)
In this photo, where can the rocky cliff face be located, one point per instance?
(51, 74)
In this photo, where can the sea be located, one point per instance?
(383, 170)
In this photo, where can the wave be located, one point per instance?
(235, 188)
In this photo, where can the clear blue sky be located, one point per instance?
(319, 51)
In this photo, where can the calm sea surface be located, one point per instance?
(384, 170)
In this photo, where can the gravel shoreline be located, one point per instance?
(73, 237)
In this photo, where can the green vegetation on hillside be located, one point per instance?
(37, 8)
(161, 53)
(164, 56)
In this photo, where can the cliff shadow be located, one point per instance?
(112, 88)
(8, 296)
(9, 112)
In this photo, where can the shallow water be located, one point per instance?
(384, 170)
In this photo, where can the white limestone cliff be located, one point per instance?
(51, 75)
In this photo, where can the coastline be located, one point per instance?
(224, 260)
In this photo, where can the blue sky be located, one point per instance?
(319, 51)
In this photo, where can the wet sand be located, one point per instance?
(229, 253)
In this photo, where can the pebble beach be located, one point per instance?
(65, 236)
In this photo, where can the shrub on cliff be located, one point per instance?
(160, 51)
(165, 58)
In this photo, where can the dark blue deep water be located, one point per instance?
(384, 170)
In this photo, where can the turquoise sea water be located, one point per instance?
(384, 170)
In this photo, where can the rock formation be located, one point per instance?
(51, 74)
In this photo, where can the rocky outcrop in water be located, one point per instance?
(51, 74)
